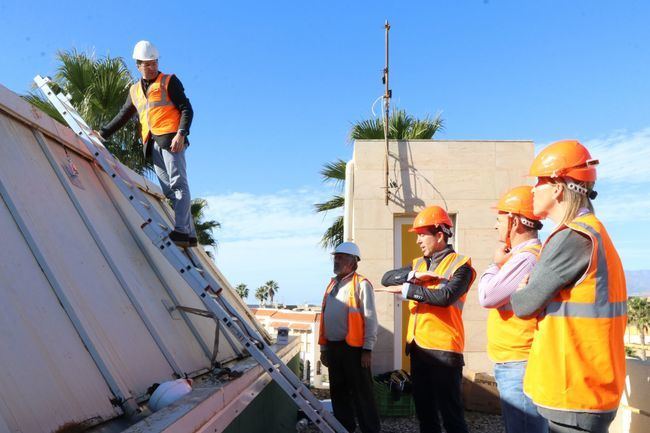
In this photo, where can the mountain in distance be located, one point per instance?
(638, 282)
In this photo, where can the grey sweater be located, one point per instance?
(335, 316)
(565, 259)
(563, 262)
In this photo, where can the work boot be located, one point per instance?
(193, 241)
(180, 239)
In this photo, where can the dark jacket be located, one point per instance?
(458, 285)
(179, 99)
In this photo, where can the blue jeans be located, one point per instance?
(170, 169)
(517, 410)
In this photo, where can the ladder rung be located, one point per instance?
(126, 182)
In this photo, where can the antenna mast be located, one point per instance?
(387, 95)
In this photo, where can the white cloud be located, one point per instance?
(273, 237)
(619, 205)
(286, 213)
(624, 157)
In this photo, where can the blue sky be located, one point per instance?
(276, 85)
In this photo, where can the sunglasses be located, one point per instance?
(145, 63)
(541, 181)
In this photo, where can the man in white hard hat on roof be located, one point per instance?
(165, 116)
(348, 332)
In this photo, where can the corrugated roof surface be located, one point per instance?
(109, 275)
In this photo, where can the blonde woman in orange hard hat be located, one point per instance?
(576, 367)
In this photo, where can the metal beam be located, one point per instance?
(126, 400)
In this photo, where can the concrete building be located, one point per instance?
(467, 178)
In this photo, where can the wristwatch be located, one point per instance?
(183, 132)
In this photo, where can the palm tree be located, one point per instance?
(271, 289)
(639, 316)
(242, 290)
(203, 228)
(98, 89)
(261, 295)
(401, 126)
(333, 173)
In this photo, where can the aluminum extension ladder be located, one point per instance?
(208, 290)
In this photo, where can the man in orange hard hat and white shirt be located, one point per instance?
(348, 332)
(436, 285)
(509, 337)
(576, 367)
(165, 116)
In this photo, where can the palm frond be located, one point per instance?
(197, 208)
(110, 86)
(242, 290)
(426, 128)
(45, 106)
(334, 172)
(399, 124)
(204, 234)
(76, 73)
(336, 202)
(333, 236)
(369, 129)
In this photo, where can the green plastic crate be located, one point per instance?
(388, 406)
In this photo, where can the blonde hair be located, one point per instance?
(575, 200)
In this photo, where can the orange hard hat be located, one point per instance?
(567, 158)
(432, 216)
(518, 201)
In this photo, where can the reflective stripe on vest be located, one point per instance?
(577, 360)
(509, 338)
(439, 328)
(602, 308)
(356, 324)
(156, 111)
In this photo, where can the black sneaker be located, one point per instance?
(193, 241)
(180, 239)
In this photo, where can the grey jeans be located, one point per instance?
(170, 169)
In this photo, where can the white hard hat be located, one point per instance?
(145, 50)
(169, 392)
(348, 248)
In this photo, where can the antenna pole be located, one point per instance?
(387, 96)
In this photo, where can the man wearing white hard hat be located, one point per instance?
(348, 332)
(165, 116)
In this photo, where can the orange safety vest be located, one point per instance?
(157, 113)
(356, 324)
(433, 327)
(509, 337)
(577, 360)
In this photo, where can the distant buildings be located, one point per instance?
(303, 322)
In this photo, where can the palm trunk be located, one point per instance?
(642, 335)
